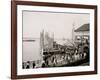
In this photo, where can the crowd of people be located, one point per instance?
(60, 58)
(64, 59)
(28, 64)
(81, 52)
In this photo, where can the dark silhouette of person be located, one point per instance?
(43, 65)
(28, 66)
(33, 64)
(23, 65)
(86, 49)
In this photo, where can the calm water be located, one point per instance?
(31, 50)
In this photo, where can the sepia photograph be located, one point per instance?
(55, 39)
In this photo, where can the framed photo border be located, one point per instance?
(14, 4)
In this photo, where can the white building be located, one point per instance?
(82, 33)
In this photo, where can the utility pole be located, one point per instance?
(73, 37)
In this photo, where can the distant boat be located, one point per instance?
(29, 40)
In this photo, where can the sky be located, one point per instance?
(61, 24)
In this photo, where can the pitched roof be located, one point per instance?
(84, 27)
